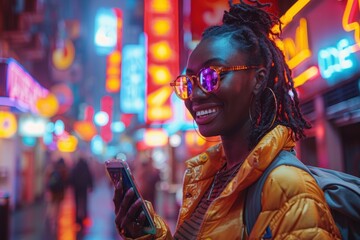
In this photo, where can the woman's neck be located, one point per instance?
(236, 147)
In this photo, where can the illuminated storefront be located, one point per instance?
(321, 41)
(21, 152)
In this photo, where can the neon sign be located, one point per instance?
(105, 31)
(335, 59)
(22, 88)
(107, 104)
(132, 94)
(162, 29)
(349, 21)
(329, 61)
(298, 51)
(114, 59)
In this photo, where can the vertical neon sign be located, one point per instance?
(132, 94)
(107, 104)
(113, 61)
(161, 19)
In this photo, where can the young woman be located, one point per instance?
(238, 86)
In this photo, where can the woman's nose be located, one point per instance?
(197, 92)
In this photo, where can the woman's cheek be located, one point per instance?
(188, 105)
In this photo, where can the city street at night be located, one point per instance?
(189, 104)
(30, 222)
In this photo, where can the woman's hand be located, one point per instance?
(130, 218)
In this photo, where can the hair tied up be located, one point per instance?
(250, 14)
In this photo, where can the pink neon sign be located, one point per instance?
(22, 88)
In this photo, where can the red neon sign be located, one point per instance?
(161, 24)
(107, 104)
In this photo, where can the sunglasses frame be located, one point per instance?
(218, 71)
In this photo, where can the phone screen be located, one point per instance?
(118, 170)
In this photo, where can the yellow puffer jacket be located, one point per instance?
(293, 205)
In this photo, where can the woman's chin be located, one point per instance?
(207, 133)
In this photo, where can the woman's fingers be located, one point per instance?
(142, 219)
(130, 218)
(132, 211)
(118, 195)
(134, 221)
(125, 205)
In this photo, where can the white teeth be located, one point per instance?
(205, 112)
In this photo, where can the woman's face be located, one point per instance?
(225, 111)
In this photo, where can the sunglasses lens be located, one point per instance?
(208, 79)
(183, 87)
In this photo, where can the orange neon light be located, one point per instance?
(8, 124)
(155, 111)
(63, 57)
(113, 73)
(305, 76)
(161, 51)
(159, 96)
(348, 24)
(296, 51)
(113, 61)
(157, 100)
(160, 74)
(67, 144)
(155, 137)
(299, 58)
(290, 14)
(161, 6)
(161, 26)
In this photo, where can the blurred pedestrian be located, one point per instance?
(81, 181)
(56, 176)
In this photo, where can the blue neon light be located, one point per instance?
(337, 59)
(133, 91)
(105, 37)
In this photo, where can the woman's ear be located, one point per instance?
(260, 76)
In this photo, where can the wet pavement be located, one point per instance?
(32, 223)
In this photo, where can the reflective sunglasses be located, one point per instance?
(208, 79)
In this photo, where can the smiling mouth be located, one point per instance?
(206, 112)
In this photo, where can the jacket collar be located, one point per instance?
(209, 162)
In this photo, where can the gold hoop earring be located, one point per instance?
(252, 97)
(276, 107)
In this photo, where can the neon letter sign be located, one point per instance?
(335, 59)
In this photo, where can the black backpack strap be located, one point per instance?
(253, 197)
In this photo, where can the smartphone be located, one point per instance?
(118, 170)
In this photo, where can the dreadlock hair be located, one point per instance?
(251, 29)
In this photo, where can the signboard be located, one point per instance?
(321, 42)
(114, 59)
(161, 25)
(132, 94)
(18, 88)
